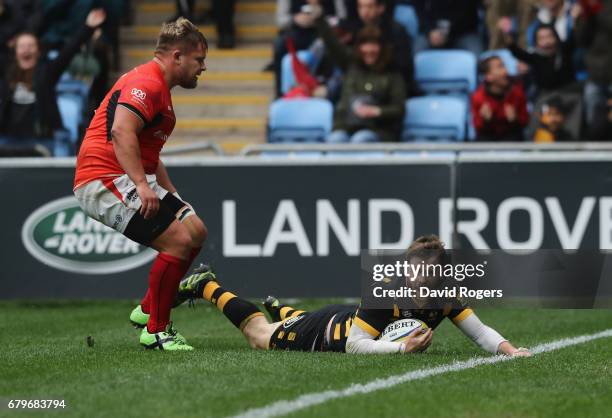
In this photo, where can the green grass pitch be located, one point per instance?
(44, 356)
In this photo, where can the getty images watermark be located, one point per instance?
(423, 279)
(495, 278)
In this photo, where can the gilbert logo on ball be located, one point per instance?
(400, 330)
(60, 235)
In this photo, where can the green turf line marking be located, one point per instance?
(304, 401)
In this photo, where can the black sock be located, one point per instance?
(237, 310)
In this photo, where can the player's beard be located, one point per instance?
(190, 83)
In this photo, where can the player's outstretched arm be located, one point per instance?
(124, 133)
(486, 337)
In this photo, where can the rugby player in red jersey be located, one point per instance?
(121, 181)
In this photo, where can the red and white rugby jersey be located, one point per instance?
(145, 92)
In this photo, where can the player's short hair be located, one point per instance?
(426, 247)
(182, 33)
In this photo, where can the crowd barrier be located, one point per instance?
(295, 227)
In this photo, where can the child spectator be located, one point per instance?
(499, 106)
(28, 101)
(371, 106)
(551, 61)
(552, 122)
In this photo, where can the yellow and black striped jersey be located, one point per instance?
(338, 328)
(374, 321)
(327, 329)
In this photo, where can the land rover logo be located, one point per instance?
(60, 235)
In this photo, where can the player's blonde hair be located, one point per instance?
(182, 33)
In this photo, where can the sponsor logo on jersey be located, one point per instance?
(59, 234)
(292, 321)
(130, 197)
(139, 94)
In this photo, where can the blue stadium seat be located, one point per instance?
(72, 96)
(71, 111)
(287, 78)
(445, 71)
(407, 17)
(300, 120)
(437, 118)
(70, 85)
(506, 56)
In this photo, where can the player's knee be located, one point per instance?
(257, 333)
(183, 240)
(180, 240)
(256, 342)
(199, 234)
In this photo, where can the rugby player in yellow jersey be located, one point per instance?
(341, 328)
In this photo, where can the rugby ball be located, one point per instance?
(399, 330)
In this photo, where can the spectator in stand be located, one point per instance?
(62, 19)
(371, 106)
(28, 103)
(354, 21)
(16, 16)
(223, 13)
(505, 15)
(557, 13)
(448, 24)
(283, 23)
(594, 32)
(499, 105)
(283, 15)
(301, 27)
(12, 20)
(551, 61)
(552, 122)
(379, 13)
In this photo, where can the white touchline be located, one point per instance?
(285, 407)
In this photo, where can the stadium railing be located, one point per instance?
(390, 149)
(194, 146)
